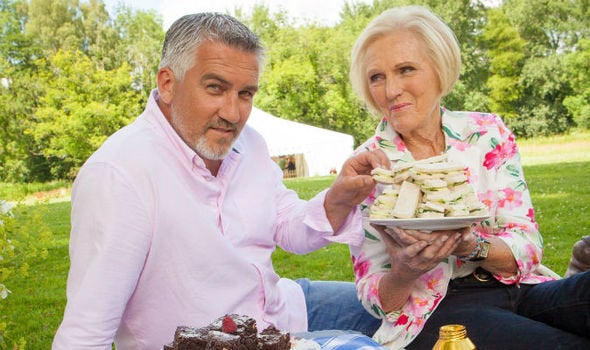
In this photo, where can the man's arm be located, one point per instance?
(108, 245)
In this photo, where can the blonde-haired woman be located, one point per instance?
(489, 276)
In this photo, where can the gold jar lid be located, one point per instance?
(453, 337)
(452, 331)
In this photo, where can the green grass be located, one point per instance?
(35, 306)
(329, 263)
(561, 196)
(17, 192)
(557, 171)
(573, 147)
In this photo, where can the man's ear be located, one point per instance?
(166, 84)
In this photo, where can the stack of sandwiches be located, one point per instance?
(432, 188)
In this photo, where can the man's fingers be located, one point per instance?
(364, 162)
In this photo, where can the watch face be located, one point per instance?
(485, 249)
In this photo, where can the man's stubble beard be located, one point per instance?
(202, 146)
(205, 151)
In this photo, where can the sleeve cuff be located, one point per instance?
(351, 231)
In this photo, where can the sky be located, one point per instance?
(323, 11)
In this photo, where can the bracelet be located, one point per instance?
(475, 251)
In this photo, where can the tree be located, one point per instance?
(15, 65)
(305, 78)
(505, 50)
(140, 37)
(526, 60)
(549, 30)
(55, 25)
(82, 105)
(549, 26)
(545, 86)
(577, 65)
(39, 39)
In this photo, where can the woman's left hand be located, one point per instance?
(407, 237)
(413, 253)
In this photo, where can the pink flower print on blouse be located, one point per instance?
(417, 325)
(487, 198)
(372, 196)
(471, 176)
(531, 215)
(384, 144)
(458, 145)
(503, 129)
(483, 121)
(511, 199)
(433, 278)
(512, 226)
(382, 126)
(533, 253)
(414, 327)
(399, 143)
(361, 266)
(438, 298)
(419, 303)
(499, 153)
(375, 145)
(402, 319)
(374, 288)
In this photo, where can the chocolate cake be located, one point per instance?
(273, 339)
(229, 332)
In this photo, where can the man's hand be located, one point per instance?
(353, 184)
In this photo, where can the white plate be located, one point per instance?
(431, 224)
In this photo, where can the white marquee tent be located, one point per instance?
(322, 149)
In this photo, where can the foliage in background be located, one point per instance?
(23, 238)
(80, 108)
(578, 102)
(71, 73)
(70, 76)
(505, 48)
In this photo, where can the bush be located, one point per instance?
(20, 241)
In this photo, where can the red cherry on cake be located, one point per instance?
(228, 325)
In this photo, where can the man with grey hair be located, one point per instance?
(176, 216)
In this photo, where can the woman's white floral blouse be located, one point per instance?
(487, 148)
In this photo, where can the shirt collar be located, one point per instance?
(455, 125)
(155, 116)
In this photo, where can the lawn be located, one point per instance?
(557, 171)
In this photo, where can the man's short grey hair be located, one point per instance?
(188, 32)
(437, 38)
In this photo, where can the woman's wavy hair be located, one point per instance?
(438, 39)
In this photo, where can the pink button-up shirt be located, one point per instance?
(157, 241)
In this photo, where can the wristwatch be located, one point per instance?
(480, 252)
